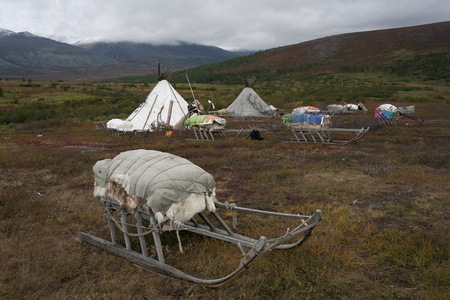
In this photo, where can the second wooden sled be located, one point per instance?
(211, 128)
(204, 134)
(328, 136)
(117, 217)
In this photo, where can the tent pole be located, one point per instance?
(190, 86)
(169, 113)
(148, 116)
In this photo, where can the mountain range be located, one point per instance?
(24, 55)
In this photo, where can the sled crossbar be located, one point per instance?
(116, 217)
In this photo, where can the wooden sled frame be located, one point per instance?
(218, 134)
(324, 135)
(255, 246)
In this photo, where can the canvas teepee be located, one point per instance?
(248, 103)
(164, 105)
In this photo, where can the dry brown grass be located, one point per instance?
(385, 231)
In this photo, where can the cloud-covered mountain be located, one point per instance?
(73, 40)
(24, 54)
(179, 56)
(25, 50)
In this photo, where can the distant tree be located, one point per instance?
(1, 93)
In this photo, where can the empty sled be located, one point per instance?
(147, 193)
(329, 136)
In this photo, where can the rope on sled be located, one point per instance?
(176, 225)
(230, 207)
(108, 216)
(278, 240)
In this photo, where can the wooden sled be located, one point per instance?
(328, 136)
(145, 223)
(401, 116)
(202, 134)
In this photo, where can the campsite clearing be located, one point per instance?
(385, 199)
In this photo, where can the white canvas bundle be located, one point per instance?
(351, 107)
(120, 125)
(166, 183)
(388, 107)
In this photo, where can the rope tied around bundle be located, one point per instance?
(230, 207)
(176, 225)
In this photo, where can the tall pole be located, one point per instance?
(190, 86)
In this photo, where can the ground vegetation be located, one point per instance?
(385, 198)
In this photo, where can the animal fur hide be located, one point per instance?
(165, 183)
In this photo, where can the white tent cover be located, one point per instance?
(248, 104)
(163, 105)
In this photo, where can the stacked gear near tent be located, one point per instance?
(164, 193)
(309, 125)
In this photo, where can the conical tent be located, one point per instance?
(163, 106)
(248, 104)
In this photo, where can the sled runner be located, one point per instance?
(159, 180)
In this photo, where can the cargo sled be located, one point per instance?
(390, 115)
(211, 128)
(162, 192)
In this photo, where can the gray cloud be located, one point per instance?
(229, 24)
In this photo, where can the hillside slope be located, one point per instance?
(368, 48)
(362, 48)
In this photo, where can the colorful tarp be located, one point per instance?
(386, 111)
(305, 109)
(385, 114)
(204, 120)
(304, 118)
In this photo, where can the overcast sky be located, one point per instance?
(229, 24)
